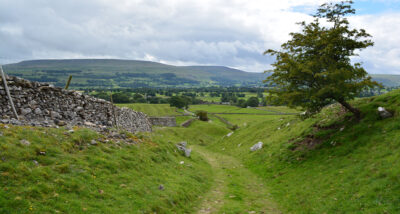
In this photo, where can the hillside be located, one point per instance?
(113, 73)
(325, 164)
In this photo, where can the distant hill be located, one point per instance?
(113, 73)
(389, 80)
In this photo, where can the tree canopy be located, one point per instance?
(314, 69)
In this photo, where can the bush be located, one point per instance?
(252, 102)
(202, 115)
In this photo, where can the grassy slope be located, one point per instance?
(74, 177)
(355, 170)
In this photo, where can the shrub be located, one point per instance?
(202, 115)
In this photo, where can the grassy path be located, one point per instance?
(235, 190)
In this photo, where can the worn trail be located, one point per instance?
(235, 188)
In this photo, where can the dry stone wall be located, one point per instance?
(163, 121)
(41, 104)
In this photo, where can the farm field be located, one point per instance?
(214, 108)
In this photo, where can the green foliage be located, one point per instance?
(202, 115)
(314, 67)
(121, 97)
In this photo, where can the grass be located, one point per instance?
(155, 110)
(61, 172)
(352, 171)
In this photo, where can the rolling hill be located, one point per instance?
(116, 73)
(113, 73)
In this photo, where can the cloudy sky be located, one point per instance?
(181, 32)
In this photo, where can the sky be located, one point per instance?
(231, 33)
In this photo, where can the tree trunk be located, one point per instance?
(355, 111)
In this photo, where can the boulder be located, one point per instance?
(383, 113)
(25, 142)
(182, 147)
(256, 146)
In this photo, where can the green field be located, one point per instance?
(213, 108)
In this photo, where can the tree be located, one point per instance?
(177, 101)
(252, 102)
(313, 69)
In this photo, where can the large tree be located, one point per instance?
(313, 68)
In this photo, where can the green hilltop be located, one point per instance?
(115, 73)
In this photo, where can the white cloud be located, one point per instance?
(212, 32)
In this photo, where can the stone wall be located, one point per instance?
(163, 121)
(41, 104)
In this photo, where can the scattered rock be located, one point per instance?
(93, 142)
(25, 142)
(229, 134)
(256, 146)
(341, 129)
(101, 191)
(182, 147)
(35, 162)
(383, 113)
(161, 187)
(182, 162)
(42, 153)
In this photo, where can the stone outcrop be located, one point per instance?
(41, 104)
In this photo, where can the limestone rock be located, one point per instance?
(40, 104)
(182, 147)
(383, 113)
(256, 146)
(25, 142)
(25, 111)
